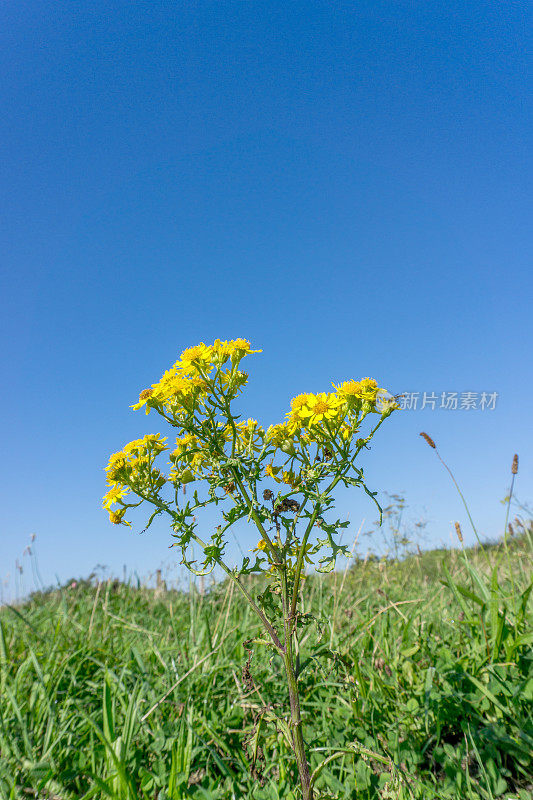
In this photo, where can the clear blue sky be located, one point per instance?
(345, 184)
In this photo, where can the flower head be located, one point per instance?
(117, 517)
(278, 434)
(272, 472)
(320, 407)
(114, 494)
(194, 358)
(242, 347)
(354, 393)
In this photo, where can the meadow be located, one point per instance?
(423, 675)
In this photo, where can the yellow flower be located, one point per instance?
(242, 347)
(351, 391)
(369, 389)
(117, 462)
(348, 391)
(143, 399)
(233, 380)
(221, 351)
(347, 432)
(290, 478)
(300, 401)
(272, 471)
(198, 461)
(152, 442)
(117, 517)
(194, 357)
(133, 447)
(299, 412)
(278, 434)
(321, 407)
(173, 384)
(262, 547)
(114, 494)
(249, 434)
(187, 452)
(183, 444)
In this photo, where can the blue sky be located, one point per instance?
(346, 185)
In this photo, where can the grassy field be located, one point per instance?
(423, 674)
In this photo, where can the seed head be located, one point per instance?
(287, 505)
(514, 467)
(268, 495)
(429, 440)
(459, 532)
(511, 530)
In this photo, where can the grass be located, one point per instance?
(423, 675)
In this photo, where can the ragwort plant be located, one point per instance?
(226, 460)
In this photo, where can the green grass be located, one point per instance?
(114, 692)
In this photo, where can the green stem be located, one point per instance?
(505, 535)
(509, 503)
(464, 503)
(297, 733)
(301, 552)
(294, 699)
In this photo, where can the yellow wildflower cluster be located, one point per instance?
(197, 389)
(134, 456)
(353, 391)
(315, 412)
(205, 357)
(320, 418)
(291, 479)
(233, 380)
(141, 448)
(249, 436)
(183, 386)
(278, 435)
(280, 475)
(188, 460)
(114, 494)
(175, 389)
(132, 466)
(271, 471)
(309, 410)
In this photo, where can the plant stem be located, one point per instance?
(289, 621)
(296, 718)
(301, 553)
(464, 503)
(505, 535)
